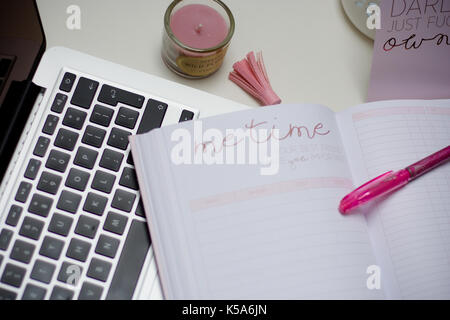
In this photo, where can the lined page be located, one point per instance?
(411, 228)
(242, 235)
(292, 245)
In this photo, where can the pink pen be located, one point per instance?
(391, 181)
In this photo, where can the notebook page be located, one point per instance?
(410, 229)
(253, 236)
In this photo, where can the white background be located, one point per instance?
(312, 51)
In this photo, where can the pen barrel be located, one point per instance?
(420, 167)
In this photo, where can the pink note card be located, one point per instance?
(411, 57)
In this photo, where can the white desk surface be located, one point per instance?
(312, 51)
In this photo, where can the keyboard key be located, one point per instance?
(109, 95)
(140, 209)
(33, 292)
(42, 271)
(51, 248)
(153, 116)
(57, 160)
(107, 246)
(7, 295)
(131, 99)
(87, 227)
(115, 223)
(123, 200)
(22, 251)
(49, 182)
(50, 124)
(77, 179)
(99, 269)
(186, 115)
(95, 204)
(78, 250)
(5, 239)
(14, 215)
(111, 160)
(60, 224)
(69, 201)
(130, 262)
(70, 273)
(90, 291)
(67, 82)
(118, 138)
(127, 118)
(1, 259)
(112, 96)
(94, 136)
(32, 169)
(23, 192)
(31, 228)
(60, 293)
(66, 139)
(74, 118)
(41, 146)
(101, 115)
(13, 275)
(103, 181)
(128, 178)
(40, 205)
(85, 157)
(59, 103)
(84, 93)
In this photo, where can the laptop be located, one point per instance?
(72, 225)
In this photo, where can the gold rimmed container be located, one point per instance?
(188, 61)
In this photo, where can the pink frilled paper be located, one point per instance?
(411, 58)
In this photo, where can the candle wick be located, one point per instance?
(198, 28)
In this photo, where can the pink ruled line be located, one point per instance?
(268, 190)
(399, 111)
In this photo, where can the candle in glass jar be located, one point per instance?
(199, 26)
(196, 38)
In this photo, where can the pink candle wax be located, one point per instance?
(198, 26)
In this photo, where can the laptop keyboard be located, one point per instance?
(74, 227)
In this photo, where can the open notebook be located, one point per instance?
(229, 232)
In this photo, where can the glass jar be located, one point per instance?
(199, 49)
